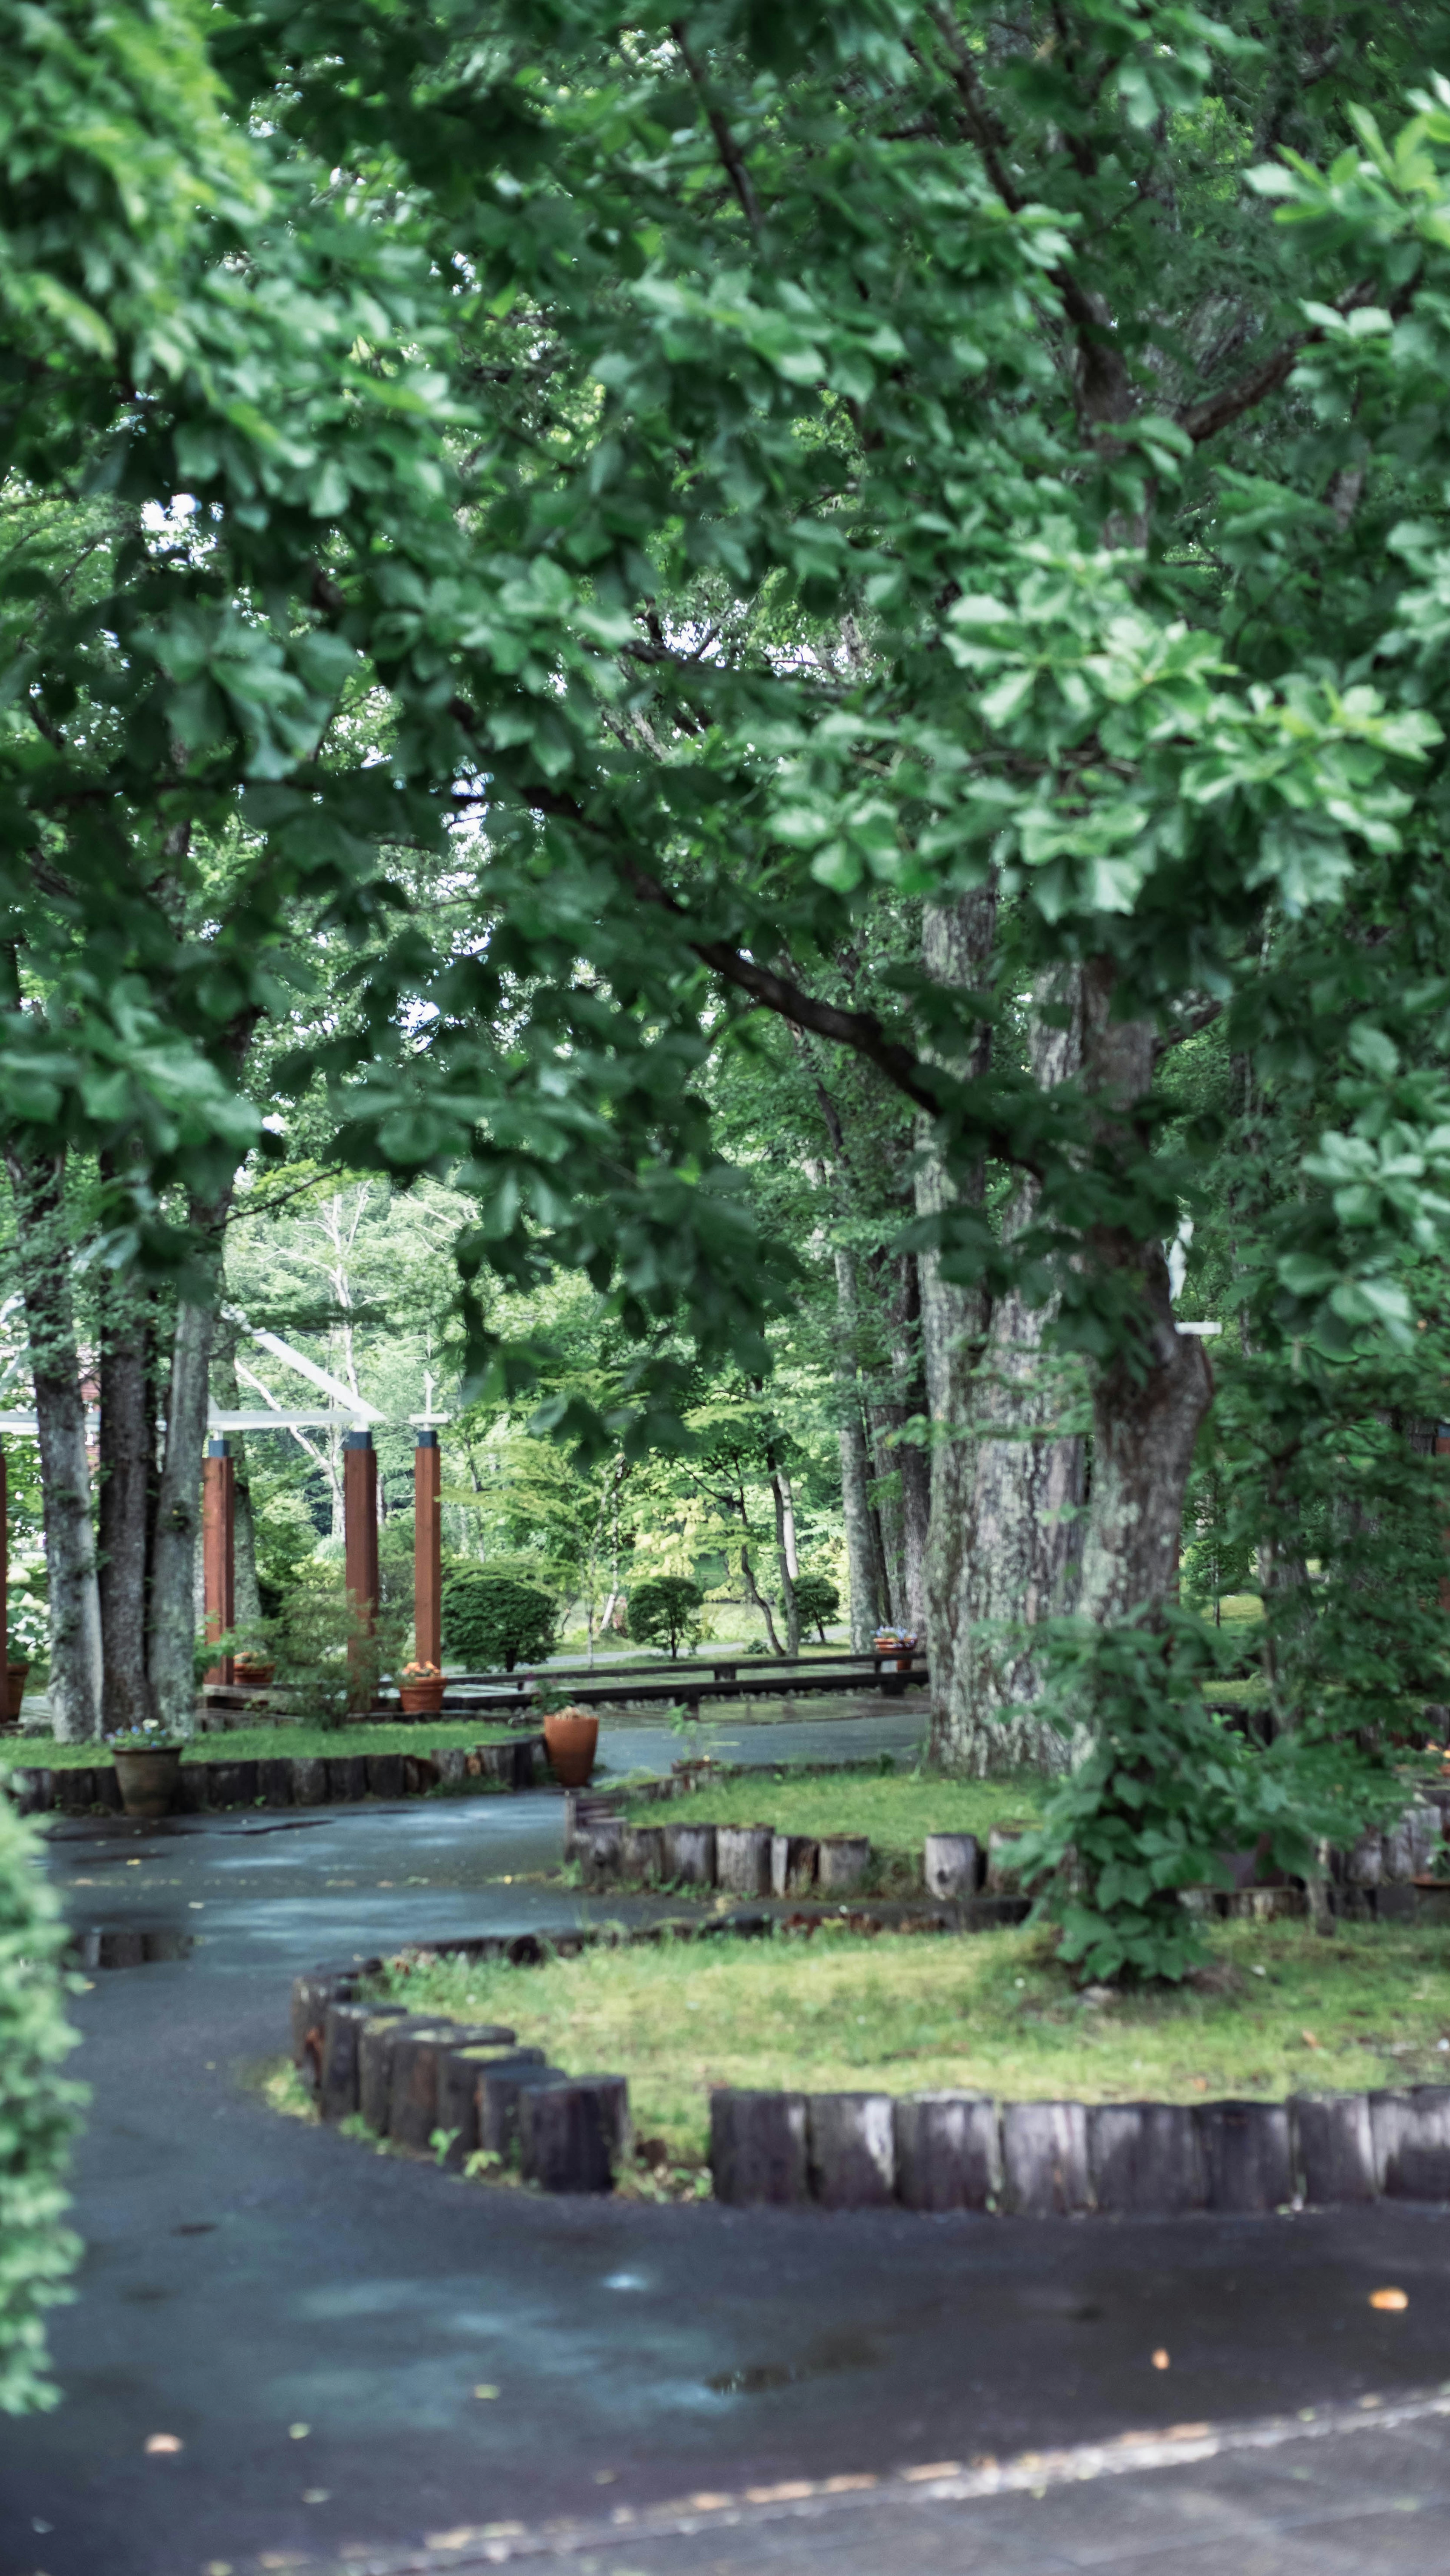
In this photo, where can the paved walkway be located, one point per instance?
(248, 2276)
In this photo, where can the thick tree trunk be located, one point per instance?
(1008, 1557)
(1150, 1401)
(171, 1633)
(70, 1553)
(125, 1523)
(855, 1479)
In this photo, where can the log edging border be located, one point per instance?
(953, 2151)
(289, 1779)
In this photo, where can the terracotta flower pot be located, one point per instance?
(253, 1669)
(571, 1740)
(14, 1688)
(421, 1699)
(149, 1782)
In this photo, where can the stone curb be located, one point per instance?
(289, 1780)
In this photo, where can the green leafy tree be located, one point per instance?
(818, 1601)
(665, 1611)
(492, 1619)
(38, 2112)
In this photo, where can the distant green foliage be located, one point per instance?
(666, 1611)
(817, 1601)
(497, 1619)
(1166, 1790)
(330, 1661)
(38, 2109)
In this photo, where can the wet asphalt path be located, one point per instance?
(247, 2276)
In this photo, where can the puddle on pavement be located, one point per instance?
(130, 1945)
(759, 2378)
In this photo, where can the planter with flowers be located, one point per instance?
(255, 1670)
(420, 1689)
(900, 1642)
(148, 1768)
(571, 1736)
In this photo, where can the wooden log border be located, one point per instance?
(291, 1780)
(842, 2151)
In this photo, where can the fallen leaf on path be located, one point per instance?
(158, 2442)
(1389, 2299)
(1160, 2359)
(1309, 2039)
(486, 2390)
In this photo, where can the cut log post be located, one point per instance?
(1144, 2157)
(420, 1774)
(347, 1777)
(599, 1849)
(792, 1864)
(952, 1866)
(852, 2144)
(499, 2088)
(232, 1784)
(1045, 2158)
(567, 2132)
(758, 2147)
(948, 2151)
(1411, 2135)
(690, 1855)
(642, 1855)
(1366, 1861)
(842, 1861)
(343, 2025)
(31, 1791)
(334, 1982)
(274, 1783)
(309, 1782)
(385, 1774)
(1334, 2147)
(742, 1859)
(413, 2084)
(375, 2066)
(1002, 1877)
(459, 2070)
(75, 1793)
(449, 1761)
(1248, 2161)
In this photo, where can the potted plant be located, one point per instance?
(252, 1669)
(148, 1768)
(420, 1689)
(571, 1736)
(898, 1641)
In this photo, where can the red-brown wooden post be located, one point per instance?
(218, 1549)
(427, 1551)
(1442, 1449)
(360, 1535)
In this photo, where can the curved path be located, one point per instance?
(248, 2276)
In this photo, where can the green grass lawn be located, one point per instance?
(896, 1812)
(267, 1743)
(991, 2012)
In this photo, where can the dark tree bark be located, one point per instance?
(127, 1497)
(861, 1576)
(70, 1554)
(171, 1623)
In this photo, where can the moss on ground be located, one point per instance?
(896, 1811)
(1278, 2011)
(267, 1743)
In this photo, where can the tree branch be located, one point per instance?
(725, 144)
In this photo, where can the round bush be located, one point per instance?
(493, 1619)
(666, 1611)
(817, 1601)
(38, 2110)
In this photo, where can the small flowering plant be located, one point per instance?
(149, 1737)
(424, 1672)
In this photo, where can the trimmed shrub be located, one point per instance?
(666, 1611)
(817, 1600)
(38, 2112)
(493, 1619)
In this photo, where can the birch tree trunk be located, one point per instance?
(855, 1480)
(70, 1553)
(785, 1548)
